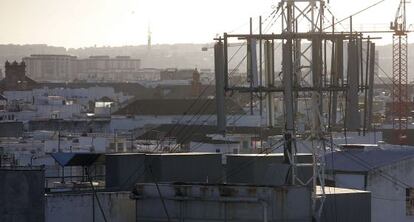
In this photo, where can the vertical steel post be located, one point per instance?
(220, 92)
(352, 111)
(371, 86)
(269, 81)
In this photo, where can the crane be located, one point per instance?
(400, 74)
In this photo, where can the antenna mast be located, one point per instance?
(400, 74)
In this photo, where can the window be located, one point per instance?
(409, 201)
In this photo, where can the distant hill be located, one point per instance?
(165, 56)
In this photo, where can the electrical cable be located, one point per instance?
(96, 195)
(273, 12)
(356, 13)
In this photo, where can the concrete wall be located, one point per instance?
(214, 148)
(82, 207)
(190, 167)
(354, 181)
(265, 169)
(21, 195)
(346, 206)
(11, 129)
(388, 189)
(124, 170)
(122, 123)
(256, 169)
(388, 195)
(231, 203)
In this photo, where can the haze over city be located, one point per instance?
(220, 110)
(80, 23)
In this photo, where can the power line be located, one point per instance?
(274, 12)
(199, 116)
(95, 194)
(354, 14)
(246, 164)
(160, 195)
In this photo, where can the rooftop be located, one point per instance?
(264, 154)
(50, 55)
(364, 161)
(164, 107)
(76, 159)
(184, 154)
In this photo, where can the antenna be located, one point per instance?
(400, 74)
(149, 37)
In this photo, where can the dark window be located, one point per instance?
(409, 201)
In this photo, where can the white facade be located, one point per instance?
(104, 68)
(388, 186)
(130, 123)
(56, 103)
(80, 207)
(58, 68)
(81, 95)
(50, 67)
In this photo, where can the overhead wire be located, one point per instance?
(354, 14)
(205, 89)
(184, 132)
(274, 12)
(248, 163)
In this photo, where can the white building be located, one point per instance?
(387, 174)
(51, 67)
(62, 103)
(104, 68)
(60, 68)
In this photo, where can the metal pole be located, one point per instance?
(220, 91)
(260, 66)
(159, 193)
(366, 87)
(95, 194)
(371, 86)
(251, 66)
(226, 68)
(268, 56)
(287, 69)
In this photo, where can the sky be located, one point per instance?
(84, 23)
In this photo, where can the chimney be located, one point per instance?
(195, 84)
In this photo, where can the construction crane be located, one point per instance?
(400, 74)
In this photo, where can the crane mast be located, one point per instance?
(400, 74)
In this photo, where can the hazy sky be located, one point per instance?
(79, 23)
